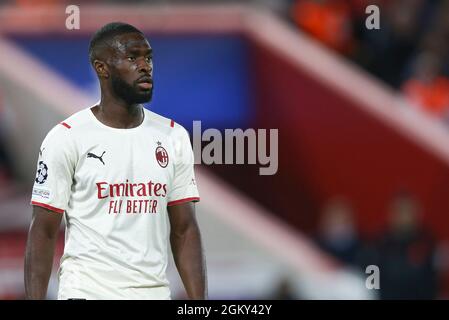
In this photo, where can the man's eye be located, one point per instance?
(131, 59)
(149, 59)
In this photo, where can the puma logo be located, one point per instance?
(91, 155)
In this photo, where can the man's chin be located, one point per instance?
(143, 97)
(131, 94)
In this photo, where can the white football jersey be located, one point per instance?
(113, 187)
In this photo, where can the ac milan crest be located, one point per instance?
(161, 156)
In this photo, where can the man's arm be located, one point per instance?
(185, 239)
(40, 251)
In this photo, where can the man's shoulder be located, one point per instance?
(77, 120)
(166, 125)
(64, 129)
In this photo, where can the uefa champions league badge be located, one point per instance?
(161, 155)
(42, 173)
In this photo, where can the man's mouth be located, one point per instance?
(145, 83)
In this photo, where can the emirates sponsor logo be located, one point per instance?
(127, 189)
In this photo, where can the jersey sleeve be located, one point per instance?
(54, 173)
(183, 188)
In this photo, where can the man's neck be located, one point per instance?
(118, 114)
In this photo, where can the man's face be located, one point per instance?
(131, 68)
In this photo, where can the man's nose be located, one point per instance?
(145, 67)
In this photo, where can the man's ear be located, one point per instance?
(101, 69)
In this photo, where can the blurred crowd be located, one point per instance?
(409, 52)
(412, 264)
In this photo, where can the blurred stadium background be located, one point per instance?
(363, 121)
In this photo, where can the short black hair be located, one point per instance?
(106, 33)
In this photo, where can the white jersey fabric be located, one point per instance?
(113, 187)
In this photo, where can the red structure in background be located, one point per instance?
(12, 253)
(330, 145)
